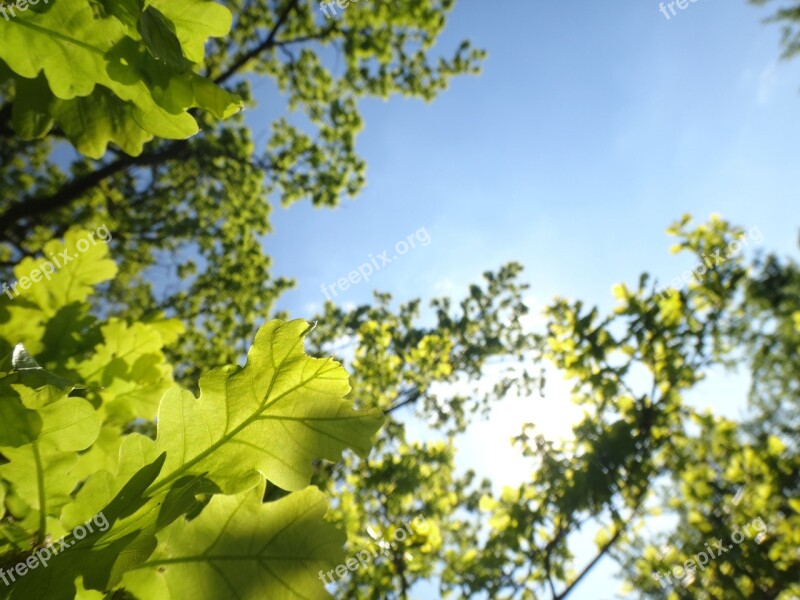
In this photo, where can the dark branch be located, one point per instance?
(410, 397)
(607, 546)
(262, 47)
(34, 209)
(5, 121)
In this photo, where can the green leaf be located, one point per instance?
(159, 36)
(275, 416)
(32, 119)
(73, 58)
(106, 83)
(93, 556)
(27, 388)
(41, 472)
(195, 22)
(130, 370)
(37, 387)
(240, 548)
(93, 121)
(127, 11)
(76, 265)
(271, 418)
(18, 425)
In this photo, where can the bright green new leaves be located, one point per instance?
(277, 414)
(42, 305)
(66, 41)
(108, 81)
(129, 369)
(76, 265)
(240, 548)
(89, 557)
(71, 451)
(122, 366)
(41, 472)
(54, 427)
(20, 423)
(194, 22)
(271, 418)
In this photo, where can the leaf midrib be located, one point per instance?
(243, 425)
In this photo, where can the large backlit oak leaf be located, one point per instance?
(275, 416)
(242, 549)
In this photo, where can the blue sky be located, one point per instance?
(593, 127)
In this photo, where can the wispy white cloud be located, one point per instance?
(767, 82)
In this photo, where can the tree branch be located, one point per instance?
(35, 208)
(312, 37)
(412, 396)
(262, 47)
(606, 547)
(5, 120)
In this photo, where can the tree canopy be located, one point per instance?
(197, 207)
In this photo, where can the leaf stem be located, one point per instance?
(40, 536)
